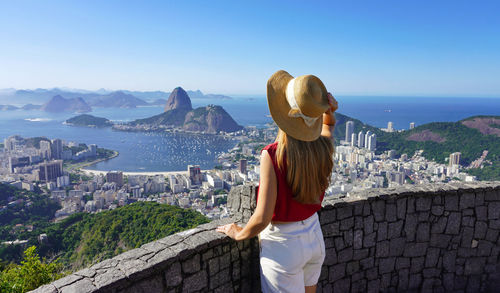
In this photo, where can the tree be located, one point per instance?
(30, 274)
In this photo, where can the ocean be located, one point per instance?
(173, 152)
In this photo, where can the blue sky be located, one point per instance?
(442, 48)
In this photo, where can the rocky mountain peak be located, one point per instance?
(178, 99)
(211, 119)
(61, 104)
(58, 98)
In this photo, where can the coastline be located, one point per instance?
(164, 173)
(81, 167)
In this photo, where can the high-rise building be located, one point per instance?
(35, 159)
(397, 177)
(10, 143)
(391, 154)
(367, 136)
(6, 144)
(49, 171)
(136, 191)
(93, 150)
(243, 166)
(412, 125)
(353, 139)
(361, 139)
(62, 181)
(45, 149)
(116, 177)
(67, 155)
(390, 127)
(17, 162)
(215, 181)
(455, 159)
(372, 142)
(75, 193)
(195, 175)
(349, 129)
(56, 149)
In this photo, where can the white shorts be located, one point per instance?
(291, 255)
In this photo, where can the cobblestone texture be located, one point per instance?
(431, 238)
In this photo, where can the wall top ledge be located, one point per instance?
(393, 193)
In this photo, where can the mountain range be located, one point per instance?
(61, 104)
(118, 99)
(99, 98)
(178, 112)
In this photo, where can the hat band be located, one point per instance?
(295, 110)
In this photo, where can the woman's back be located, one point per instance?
(306, 164)
(288, 208)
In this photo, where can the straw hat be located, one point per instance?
(297, 104)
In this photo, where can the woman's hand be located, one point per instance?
(328, 116)
(230, 230)
(334, 105)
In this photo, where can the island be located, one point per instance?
(89, 121)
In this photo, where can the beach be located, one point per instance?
(164, 173)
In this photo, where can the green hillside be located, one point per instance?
(83, 238)
(171, 117)
(26, 211)
(455, 136)
(342, 119)
(459, 138)
(23, 207)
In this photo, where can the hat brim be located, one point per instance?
(279, 108)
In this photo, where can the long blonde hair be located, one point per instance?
(309, 165)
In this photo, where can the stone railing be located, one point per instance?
(428, 238)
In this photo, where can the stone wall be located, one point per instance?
(196, 260)
(429, 238)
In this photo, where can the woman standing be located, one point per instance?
(294, 174)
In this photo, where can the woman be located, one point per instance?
(294, 174)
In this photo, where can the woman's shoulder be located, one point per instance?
(271, 146)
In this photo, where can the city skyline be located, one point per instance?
(407, 49)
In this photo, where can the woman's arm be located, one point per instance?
(265, 205)
(329, 118)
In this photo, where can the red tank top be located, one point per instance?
(287, 209)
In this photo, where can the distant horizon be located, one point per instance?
(246, 95)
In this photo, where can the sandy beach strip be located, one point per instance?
(164, 173)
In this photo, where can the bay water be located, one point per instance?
(152, 151)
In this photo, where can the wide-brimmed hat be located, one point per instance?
(297, 104)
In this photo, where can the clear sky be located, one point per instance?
(444, 48)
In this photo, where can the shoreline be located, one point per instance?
(127, 173)
(86, 164)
